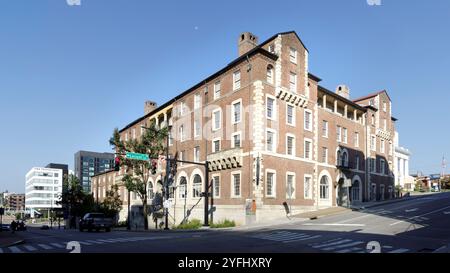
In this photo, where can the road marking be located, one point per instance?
(410, 218)
(280, 236)
(347, 250)
(57, 245)
(86, 244)
(336, 225)
(15, 249)
(446, 212)
(411, 210)
(342, 246)
(30, 248)
(349, 220)
(331, 244)
(400, 250)
(95, 242)
(46, 247)
(303, 239)
(106, 241)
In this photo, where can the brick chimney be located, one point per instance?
(149, 106)
(247, 41)
(343, 91)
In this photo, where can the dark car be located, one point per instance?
(95, 221)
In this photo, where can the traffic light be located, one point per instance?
(117, 164)
(154, 167)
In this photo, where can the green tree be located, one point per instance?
(138, 173)
(112, 204)
(74, 198)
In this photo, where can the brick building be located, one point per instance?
(276, 140)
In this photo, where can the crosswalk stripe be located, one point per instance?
(46, 247)
(332, 244)
(57, 245)
(85, 243)
(94, 242)
(304, 238)
(400, 250)
(15, 249)
(30, 248)
(326, 242)
(342, 246)
(281, 237)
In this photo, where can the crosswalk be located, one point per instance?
(43, 247)
(336, 245)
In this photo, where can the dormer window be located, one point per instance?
(272, 48)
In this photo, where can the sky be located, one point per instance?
(70, 74)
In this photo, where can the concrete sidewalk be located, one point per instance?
(7, 238)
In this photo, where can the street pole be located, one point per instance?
(167, 195)
(128, 217)
(206, 223)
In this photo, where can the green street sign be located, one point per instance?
(136, 156)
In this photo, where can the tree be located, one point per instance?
(112, 204)
(74, 198)
(138, 173)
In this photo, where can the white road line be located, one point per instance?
(335, 225)
(95, 242)
(46, 247)
(342, 246)
(410, 218)
(30, 248)
(349, 220)
(15, 249)
(106, 241)
(348, 250)
(401, 250)
(57, 245)
(411, 210)
(304, 239)
(446, 212)
(85, 243)
(332, 244)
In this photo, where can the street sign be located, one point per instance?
(136, 156)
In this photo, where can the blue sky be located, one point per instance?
(70, 74)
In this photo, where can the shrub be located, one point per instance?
(224, 224)
(193, 224)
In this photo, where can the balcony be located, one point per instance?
(227, 159)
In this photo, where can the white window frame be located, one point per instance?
(288, 135)
(274, 108)
(216, 195)
(197, 133)
(239, 133)
(294, 184)
(344, 135)
(356, 139)
(213, 146)
(325, 123)
(310, 148)
(232, 184)
(269, 74)
(214, 119)
(181, 132)
(274, 184)
(339, 133)
(195, 157)
(310, 120)
(197, 101)
(274, 140)
(217, 90)
(310, 187)
(325, 149)
(293, 55)
(293, 114)
(373, 143)
(384, 106)
(293, 85)
(182, 108)
(382, 146)
(237, 84)
(233, 121)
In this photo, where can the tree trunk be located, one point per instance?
(144, 202)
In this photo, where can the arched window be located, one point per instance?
(324, 187)
(344, 159)
(355, 191)
(150, 193)
(182, 194)
(338, 158)
(197, 186)
(270, 74)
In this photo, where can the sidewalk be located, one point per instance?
(414, 195)
(9, 239)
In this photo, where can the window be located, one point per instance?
(181, 132)
(217, 90)
(308, 149)
(216, 119)
(181, 157)
(338, 134)
(216, 187)
(384, 106)
(290, 186)
(196, 128)
(170, 138)
(293, 55)
(236, 185)
(307, 187)
(150, 193)
(325, 155)
(197, 186)
(324, 187)
(384, 124)
(270, 184)
(344, 135)
(197, 154)
(290, 114)
(236, 80)
(236, 140)
(197, 101)
(382, 166)
(382, 146)
(182, 189)
(325, 128)
(270, 141)
(270, 108)
(356, 139)
(290, 145)
(357, 162)
(182, 109)
(216, 145)
(270, 74)
(373, 119)
(373, 143)
(308, 123)
(236, 115)
(293, 82)
(372, 164)
(272, 48)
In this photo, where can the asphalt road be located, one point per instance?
(413, 226)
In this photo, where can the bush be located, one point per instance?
(224, 224)
(194, 224)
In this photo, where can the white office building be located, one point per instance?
(43, 188)
(401, 166)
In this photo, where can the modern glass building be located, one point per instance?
(88, 164)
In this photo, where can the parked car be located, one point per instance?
(96, 221)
